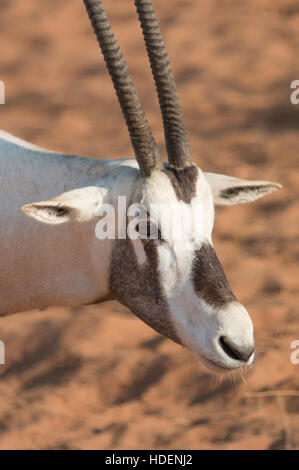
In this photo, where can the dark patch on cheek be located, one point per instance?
(183, 182)
(138, 287)
(209, 279)
(236, 190)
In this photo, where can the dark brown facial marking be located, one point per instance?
(138, 287)
(209, 280)
(236, 190)
(183, 182)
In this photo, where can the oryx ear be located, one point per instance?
(228, 190)
(80, 205)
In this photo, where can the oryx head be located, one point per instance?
(176, 284)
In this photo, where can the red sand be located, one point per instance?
(97, 377)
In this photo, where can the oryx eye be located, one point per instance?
(152, 230)
(149, 230)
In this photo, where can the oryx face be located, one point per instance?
(175, 281)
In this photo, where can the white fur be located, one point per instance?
(44, 265)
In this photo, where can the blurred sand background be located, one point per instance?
(97, 377)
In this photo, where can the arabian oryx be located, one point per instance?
(181, 293)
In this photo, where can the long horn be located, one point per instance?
(177, 143)
(143, 142)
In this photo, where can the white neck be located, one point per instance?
(52, 265)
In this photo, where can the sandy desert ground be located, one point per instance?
(97, 377)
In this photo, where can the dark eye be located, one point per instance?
(148, 230)
(152, 231)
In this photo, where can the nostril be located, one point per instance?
(234, 351)
(228, 349)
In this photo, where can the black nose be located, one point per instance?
(235, 351)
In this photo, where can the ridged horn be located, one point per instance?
(143, 142)
(177, 143)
